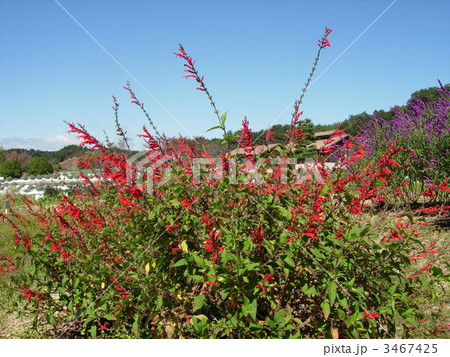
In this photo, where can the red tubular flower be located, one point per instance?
(370, 315)
(103, 327)
(87, 138)
(268, 278)
(190, 65)
(171, 227)
(9, 264)
(28, 293)
(262, 288)
(207, 220)
(324, 42)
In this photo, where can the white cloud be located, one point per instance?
(51, 143)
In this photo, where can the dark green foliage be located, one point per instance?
(39, 166)
(11, 168)
(325, 127)
(428, 94)
(53, 156)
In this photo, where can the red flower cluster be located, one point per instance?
(28, 293)
(268, 278)
(324, 42)
(370, 315)
(257, 236)
(246, 138)
(212, 244)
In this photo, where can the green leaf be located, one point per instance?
(224, 294)
(223, 119)
(93, 331)
(135, 327)
(184, 247)
(76, 281)
(318, 254)
(199, 301)
(325, 190)
(250, 308)
(392, 289)
(198, 260)
(326, 308)
(279, 316)
(175, 202)
(284, 212)
(52, 320)
(331, 286)
(289, 261)
(180, 263)
(214, 128)
(110, 317)
(343, 302)
(341, 314)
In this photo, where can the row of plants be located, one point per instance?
(222, 250)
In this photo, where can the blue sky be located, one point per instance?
(255, 56)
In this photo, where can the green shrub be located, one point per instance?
(11, 168)
(39, 166)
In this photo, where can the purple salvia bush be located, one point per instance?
(422, 129)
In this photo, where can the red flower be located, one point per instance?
(171, 227)
(370, 315)
(103, 327)
(324, 42)
(246, 139)
(269, 277)
(258, 236)
(262, 288)
(212, 244)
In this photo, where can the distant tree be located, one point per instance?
(2, 155)
(308, 130)
(39, 166)
(22, 155)
(66, 153)
(386, 115)
(427, 94)
(325, 127)
(353, 122)
(11, 168)
(302, 151)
